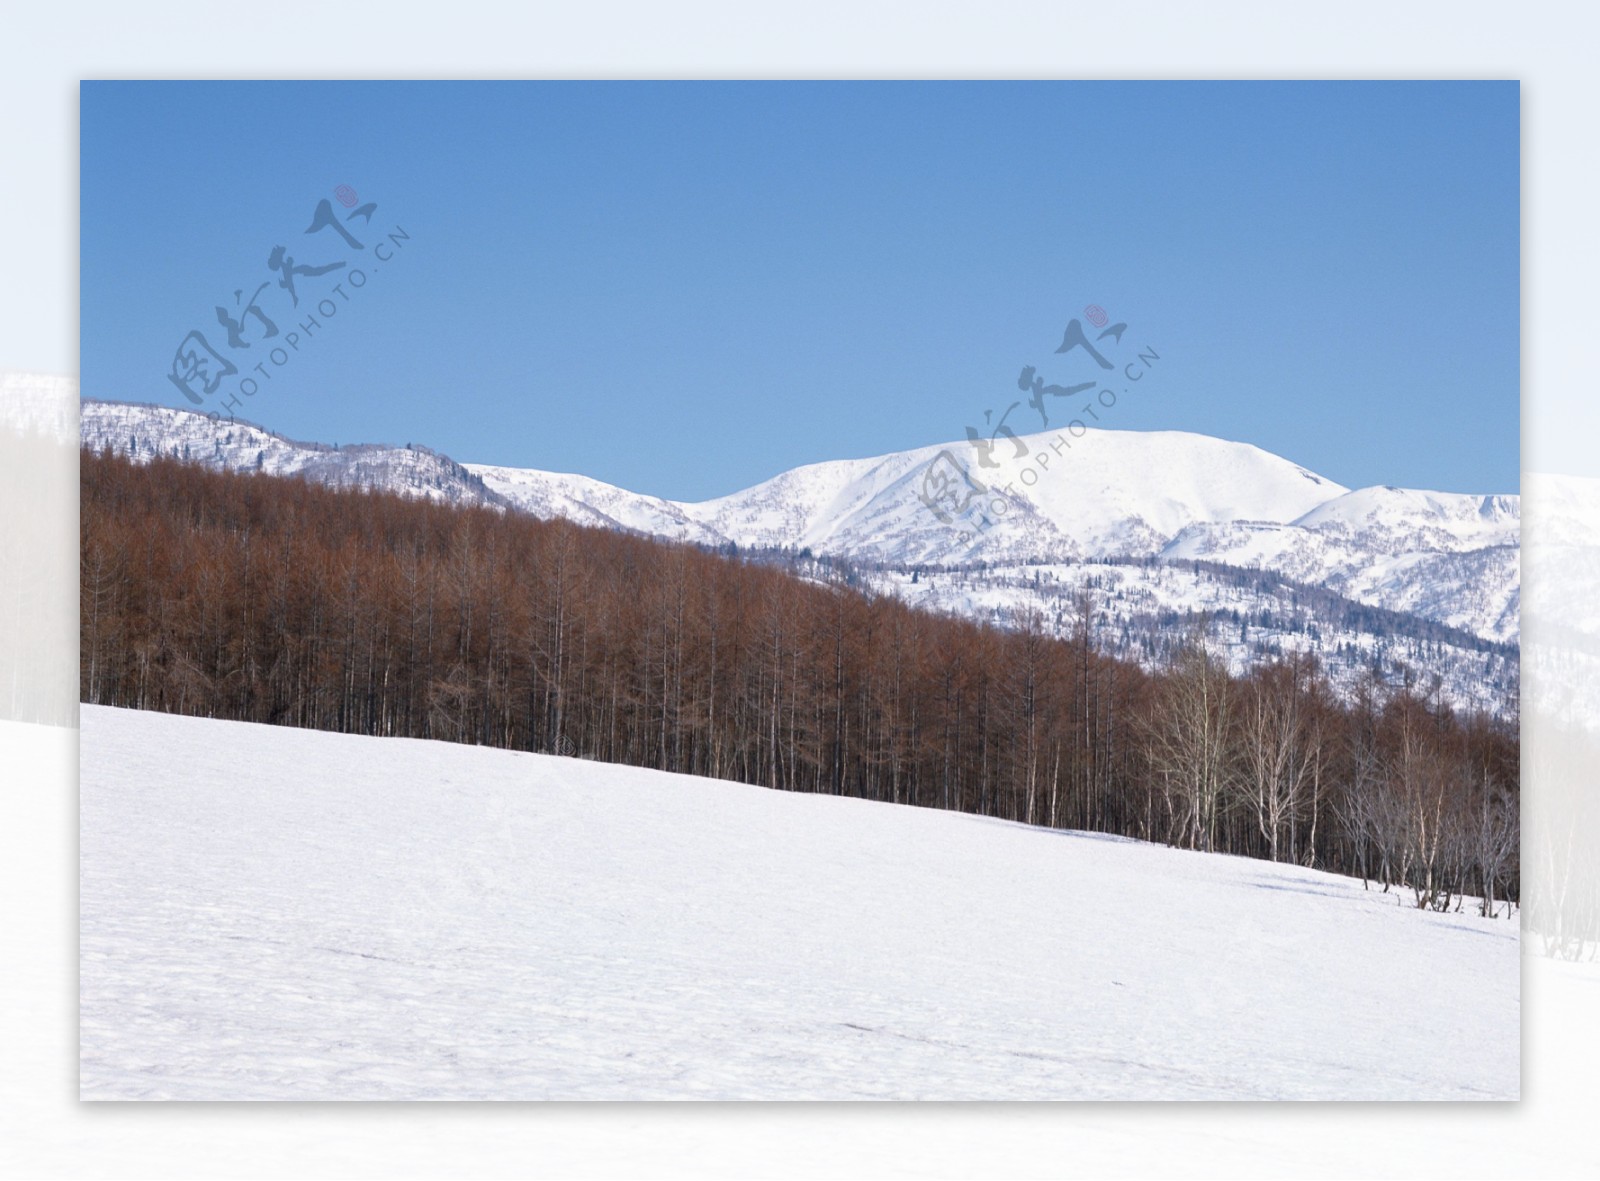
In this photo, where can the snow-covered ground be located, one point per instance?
(269, 913)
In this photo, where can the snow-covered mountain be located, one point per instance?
(1162, 526)
(1445, 557)
(1107, 493)
(144, 432)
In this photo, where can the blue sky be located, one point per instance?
(684, 288)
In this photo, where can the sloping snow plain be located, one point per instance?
(269, 913)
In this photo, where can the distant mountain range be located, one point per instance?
(1164, 528)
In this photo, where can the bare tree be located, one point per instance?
(1190, 744)
(1280, 754)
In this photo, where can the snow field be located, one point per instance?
(269, 913)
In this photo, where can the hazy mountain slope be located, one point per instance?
(274, 913)
(1562, 610)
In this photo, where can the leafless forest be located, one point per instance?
(272, 600)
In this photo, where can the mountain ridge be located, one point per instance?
(1094, 502)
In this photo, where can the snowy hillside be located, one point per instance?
(1141, 609)
(143, 432)
(1437, 558)
(1442, 556)
(1107, 493)
(1445, 557)
(270, 913)
(549, 495)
